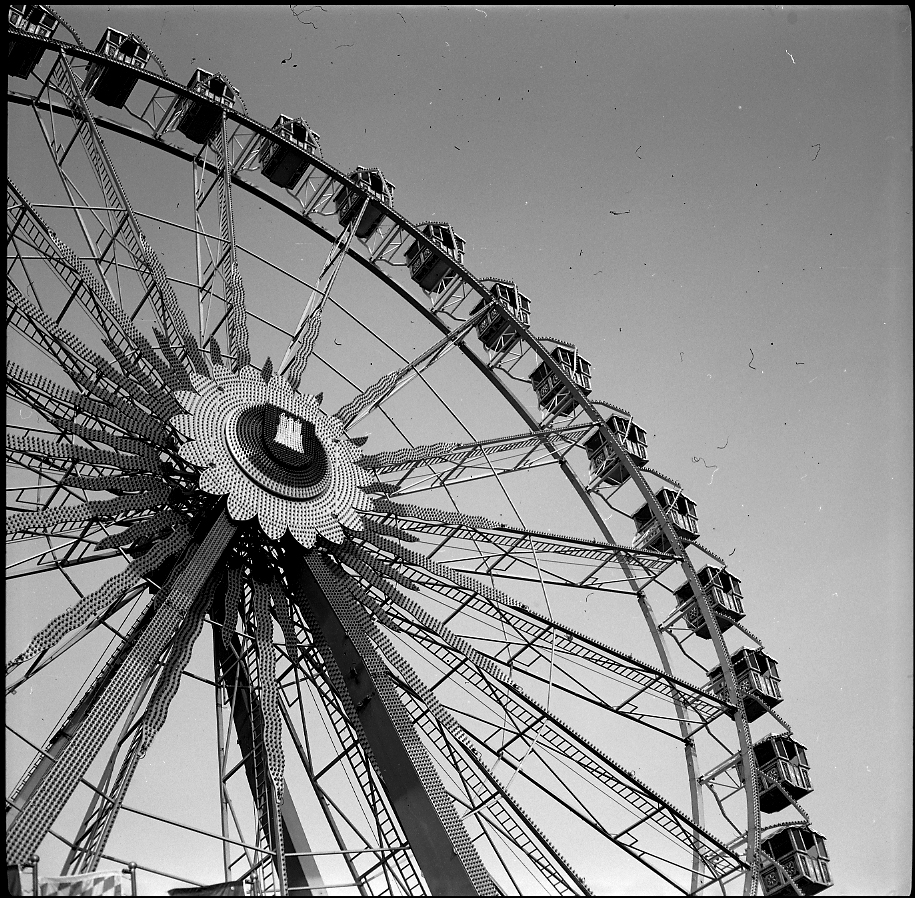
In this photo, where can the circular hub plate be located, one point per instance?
(278, 450)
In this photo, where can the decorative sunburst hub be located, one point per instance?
(274, 454)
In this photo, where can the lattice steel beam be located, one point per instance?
(438, 839)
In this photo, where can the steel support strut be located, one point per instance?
(282, 826)
(28, 829)
(437, 837)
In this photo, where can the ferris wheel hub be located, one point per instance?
(278, 450)
(274, 454)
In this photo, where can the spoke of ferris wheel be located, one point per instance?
(89, 606)
(453, 664)
(401, 459)
(512, 556)
(225, 695)
(90, 293)
(513, 544)
(352, 741)
(77, 714)
(311, 873)
(107, 799)
(583, 813)
(144, 460)
(467, 798)
(242, 697)
(480, 789)
(540, 635)
(49, 398)
(155, 280)
(402, 866)
(646, 677)
(64, 347)
(333, 696)
(65, 543)
(250, 669)
(46, 519)
(58, 490)
(647, 809)
(484, 605)
(435, 727)
(625, 708)
(426, 468)
(15, 805)
(306, 333)
(336, 704)
(84, 366)
(96, 828)
(51, 655)
(423, 478)
(517, 559)
(79, 548)
(539, 721)
(388, 384)
(32, 823)
(225, 260)
(233, 672)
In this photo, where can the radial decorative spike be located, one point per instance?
(215, 352)
(309, 327)
(390, 383)
(143, 530)
(49, 518)
(234, 286)
(86, 609)
(34, 820)
(97, 826)
(266, 674)
(88, 291)
(148, 265)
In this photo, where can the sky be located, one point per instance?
(714, 205)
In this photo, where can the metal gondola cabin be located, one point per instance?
(199, 116)
(552, 394)
(111, 85)
(725, 598)
(783, 772)
(680, 511)
(802, 862)
(757, 681)
(428, 267)
(495, 333)
(285, 165)
(24, 53)
(380, 192)
(605, 466)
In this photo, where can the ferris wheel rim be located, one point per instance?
(525, 335)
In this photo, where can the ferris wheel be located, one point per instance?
(335, 575)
